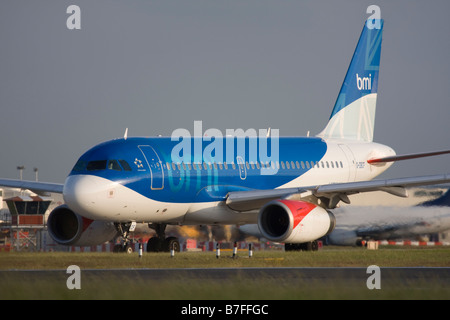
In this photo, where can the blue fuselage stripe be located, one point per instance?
(182, 182)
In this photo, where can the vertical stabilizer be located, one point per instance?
(353, 115)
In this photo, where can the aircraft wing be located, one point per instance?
(41, 188)
(331, 194)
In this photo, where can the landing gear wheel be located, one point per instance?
(307, 246)
(160, 243)
(154, 244)
(128, 248)
(171, 243)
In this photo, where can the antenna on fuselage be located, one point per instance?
(125, 135)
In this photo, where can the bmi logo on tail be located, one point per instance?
(364, 83)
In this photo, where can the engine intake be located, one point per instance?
(68, 228)
(294, 221)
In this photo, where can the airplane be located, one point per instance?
(287, 185)
(355, 225)
(361, 224)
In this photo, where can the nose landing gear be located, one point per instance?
(124, 229)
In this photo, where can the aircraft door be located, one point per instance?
(155, 165)
(350, 161)
(241, 166)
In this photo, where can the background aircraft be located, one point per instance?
(356, 223)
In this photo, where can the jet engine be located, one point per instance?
(68, 228)
(294, 221)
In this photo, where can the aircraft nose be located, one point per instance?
(82, 194)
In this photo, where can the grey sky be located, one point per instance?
(154, 66)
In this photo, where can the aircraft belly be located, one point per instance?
(217, 213)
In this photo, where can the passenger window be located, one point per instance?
(96, 165)
(114, 165)
(287, 165)
(282, 164)
(125, 165)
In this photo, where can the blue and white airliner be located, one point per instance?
(121, 182)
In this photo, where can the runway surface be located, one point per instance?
(319, 274)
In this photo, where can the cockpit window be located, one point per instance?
(96, 165)
(125, 165)
(114, 165)
(79, 166)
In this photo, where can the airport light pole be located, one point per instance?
(36, 173)
(20, 168)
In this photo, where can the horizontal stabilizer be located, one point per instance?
(407, 157)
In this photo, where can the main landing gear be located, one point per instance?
(160, 243)
(307, 246)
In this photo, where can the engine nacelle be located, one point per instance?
(294, 221)
(344, 238)
(68, 228)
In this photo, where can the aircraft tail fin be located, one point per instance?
(353, 115)
(443, 201)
